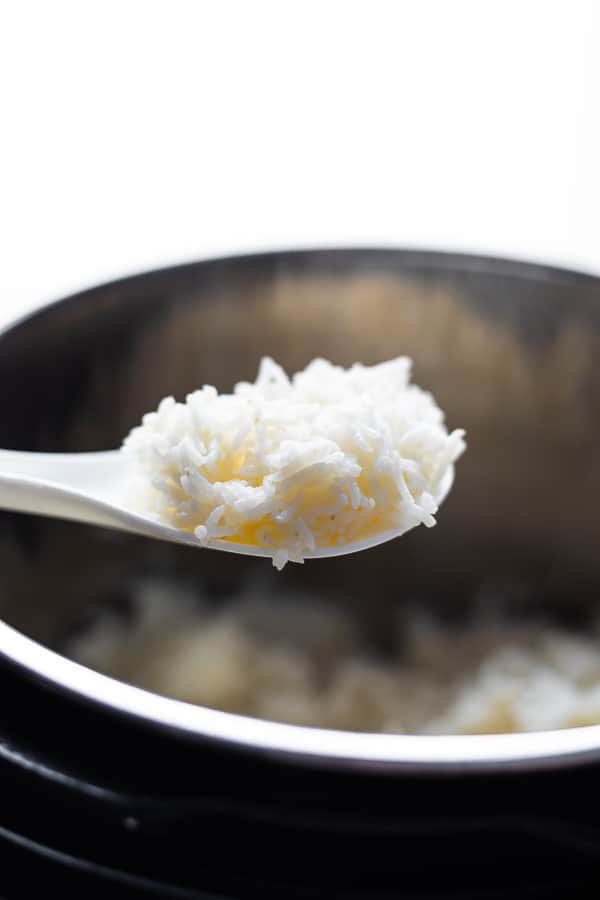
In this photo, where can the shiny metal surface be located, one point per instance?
(510, 351)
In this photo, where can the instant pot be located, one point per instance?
(108, 788)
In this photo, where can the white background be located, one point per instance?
(136, 133)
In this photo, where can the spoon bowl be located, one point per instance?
(89, 487)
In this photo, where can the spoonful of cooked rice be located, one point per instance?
(327, 462)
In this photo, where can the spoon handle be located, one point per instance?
(64, 485)
(60, 468)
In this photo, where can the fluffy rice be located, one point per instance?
(326, 458)
(300, 662)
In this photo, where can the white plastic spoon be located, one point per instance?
(89, 488)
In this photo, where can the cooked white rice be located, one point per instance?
(326, 458)
(309, 664)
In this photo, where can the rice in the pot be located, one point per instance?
(328, 457)
(305, 663)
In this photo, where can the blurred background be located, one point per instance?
(137, 133)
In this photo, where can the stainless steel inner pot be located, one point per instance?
(510, 351)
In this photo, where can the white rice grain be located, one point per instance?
(271, 463)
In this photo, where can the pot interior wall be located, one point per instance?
(510, 352)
